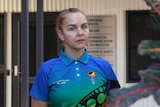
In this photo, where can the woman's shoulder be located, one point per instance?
(52, 60)
(46, 67)
(50, 63)
(97, 59)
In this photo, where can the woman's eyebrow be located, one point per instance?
(76, 25)
(85, 24)
(71, 25)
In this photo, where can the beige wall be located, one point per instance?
(91, 7)
(95, 7)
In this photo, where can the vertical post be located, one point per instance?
(39, 32)
(25, 55)
(8, 60)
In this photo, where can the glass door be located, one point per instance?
(51, 48)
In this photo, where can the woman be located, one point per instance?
(74, 79)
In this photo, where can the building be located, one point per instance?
(10, 40)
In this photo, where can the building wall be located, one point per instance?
(95, 7)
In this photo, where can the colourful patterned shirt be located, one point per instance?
(66, 82)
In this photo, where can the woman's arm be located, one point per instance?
(38, 103)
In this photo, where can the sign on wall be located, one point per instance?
(102, 40)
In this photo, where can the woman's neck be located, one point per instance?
(75, 54)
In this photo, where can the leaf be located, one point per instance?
(150, 48)
(154, 4)
(149, 85)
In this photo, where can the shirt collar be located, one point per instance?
(68, 60)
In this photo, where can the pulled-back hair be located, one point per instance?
(62, 14)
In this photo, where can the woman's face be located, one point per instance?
(75, 31)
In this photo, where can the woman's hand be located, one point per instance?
(38, 103)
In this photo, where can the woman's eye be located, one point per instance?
(72, 28)
(84, 27)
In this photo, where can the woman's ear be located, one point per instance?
(60, 35)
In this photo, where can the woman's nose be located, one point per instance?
(80, 31)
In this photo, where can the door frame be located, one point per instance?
(8, 59)
(2, 82)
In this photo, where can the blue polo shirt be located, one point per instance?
(66, 82)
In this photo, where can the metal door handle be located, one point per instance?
(16, 72)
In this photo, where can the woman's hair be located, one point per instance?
(62, 14)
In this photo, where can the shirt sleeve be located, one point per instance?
(111, 77)
(40, 87)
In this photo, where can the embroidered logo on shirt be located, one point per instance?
(92, 75)
(61, 81)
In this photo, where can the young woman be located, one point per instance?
(75, 78)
